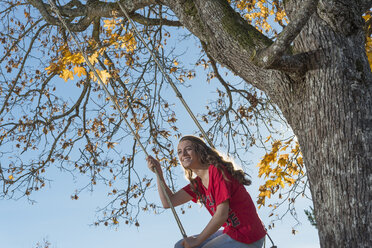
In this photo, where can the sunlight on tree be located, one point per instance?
(267, 59)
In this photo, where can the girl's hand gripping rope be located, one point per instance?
(153, 164)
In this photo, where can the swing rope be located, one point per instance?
(115, 102)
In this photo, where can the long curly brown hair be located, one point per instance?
(210, 156)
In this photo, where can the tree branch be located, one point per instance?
(269, 57)
(75, 9)
(154, 22)
(15, 81)
(18, 40)
(219, 77)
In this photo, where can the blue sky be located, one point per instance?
(67, 223)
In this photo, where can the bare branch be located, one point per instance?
(19, 39)
(15, 81)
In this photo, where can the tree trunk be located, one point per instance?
(331, 114)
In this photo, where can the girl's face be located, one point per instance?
(187, 155)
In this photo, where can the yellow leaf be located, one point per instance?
(283, 160)
(66, 75)
(300, 161)
(270, 183)
(284, 148)
(109, 24)
(66, 54)
(288, 142)
(107, 62)
(289, 180)
(268, 158)
(266, 193)
(368, 47)
(80, 71)
(366, 17)
(77, 58)
(276, 145)
(264, 168)
(11, 177)
(175, 62)
(101, 50)
(94, 58)
(173, 69)
(115, 221)
(128, 42)
(54, 68)
(104, 75)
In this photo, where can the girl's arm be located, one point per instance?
(218, 219)
(178, 198)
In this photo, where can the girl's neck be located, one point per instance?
(203, 174)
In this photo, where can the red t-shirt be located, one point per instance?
(243, 223)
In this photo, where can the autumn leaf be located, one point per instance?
(172, 120)
(66, 75)
(27, 15)
(10, 177)
(107, 62)
(93, 58)
(77, 58)
(54, 68)
(258, 13)
(66, 53)
(269, 183)
(80, 71)
(300, 161)
(128, 42)
(111, 144)
(281, 169)
(289, 180)
(283, 160)
(115, 221)
(109, 24)
(104, 76)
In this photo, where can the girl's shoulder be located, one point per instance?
(214, 169)
(220, 170)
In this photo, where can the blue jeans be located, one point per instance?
(221, 240)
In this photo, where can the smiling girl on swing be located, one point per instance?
(221, 189)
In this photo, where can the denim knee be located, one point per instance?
(178, 244)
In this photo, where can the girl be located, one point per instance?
(221, 189)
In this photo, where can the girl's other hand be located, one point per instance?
(190, 242)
